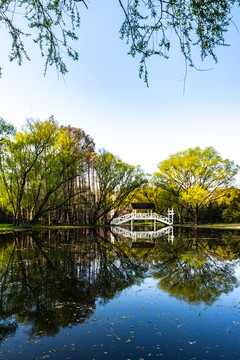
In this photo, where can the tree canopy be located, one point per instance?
(148, 28)
(116, 184)
(193, 176)
(6, 129)
(50, 24)
(53, 173)
(37, 163)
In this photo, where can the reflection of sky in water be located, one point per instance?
(237, 270)
(138, 322)
(141, 323)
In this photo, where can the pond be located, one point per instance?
(100, 294)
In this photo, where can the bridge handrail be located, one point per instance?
(132, 216)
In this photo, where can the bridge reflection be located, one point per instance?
(145, 235)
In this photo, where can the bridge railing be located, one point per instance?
(141, 216)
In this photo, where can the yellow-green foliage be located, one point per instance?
(193, 176)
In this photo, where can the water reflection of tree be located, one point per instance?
(53, 280)
(197, 268)
(7, 326)
(117, 273)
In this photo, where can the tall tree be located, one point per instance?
(52, 184)
(193, 176)
(115, 182)
(39, 168)
(18, 157)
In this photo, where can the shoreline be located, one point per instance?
(10, 228)
(209, 226)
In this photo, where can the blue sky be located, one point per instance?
(103, 95)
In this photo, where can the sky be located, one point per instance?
(103, 95)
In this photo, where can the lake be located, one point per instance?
(100, 294)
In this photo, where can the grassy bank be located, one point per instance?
(212, 226)
(9, 227)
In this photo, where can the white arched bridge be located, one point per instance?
(144, 216)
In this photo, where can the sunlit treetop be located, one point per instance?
(150, 27)
(6, 129)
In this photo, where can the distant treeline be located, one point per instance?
(52, 174)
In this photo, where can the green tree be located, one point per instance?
(193, 176)
(18, 158)
(148, 27)
(155, 195)
(230, 205)
(116, 181)
(37, 167)
(52, 184)
(6, 129)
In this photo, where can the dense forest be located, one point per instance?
(51, 174)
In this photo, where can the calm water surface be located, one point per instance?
(88, 295)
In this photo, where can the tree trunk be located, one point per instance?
(180, 218)
(195, 216)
